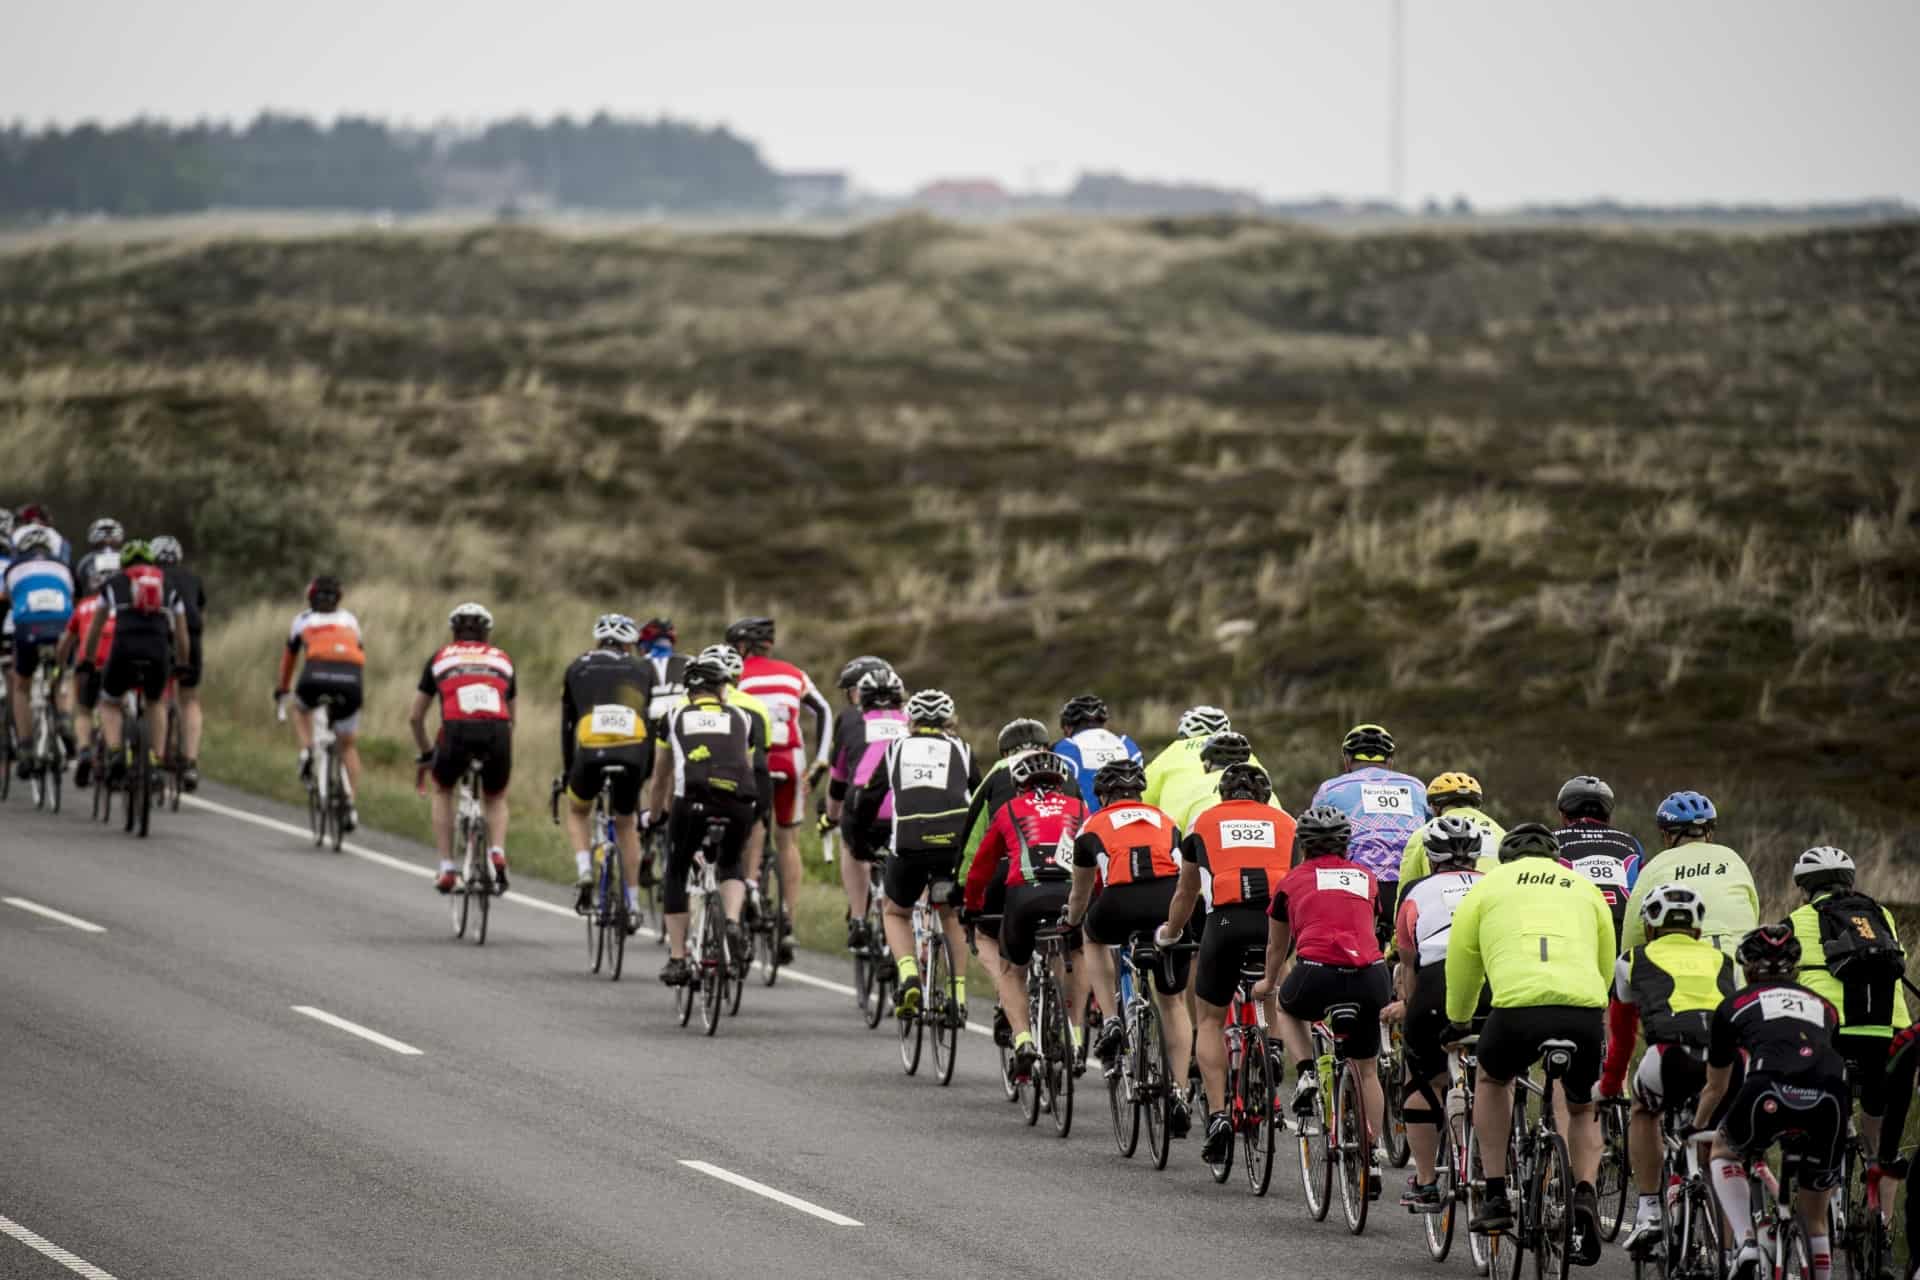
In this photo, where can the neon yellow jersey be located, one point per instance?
(1413, 858)
(1715, 872)
(1815, 977)
(1187, 793)
(1179, 758)
(739, 699)
(1537, 934)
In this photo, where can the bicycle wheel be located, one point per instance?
(616, 913)
(1123, 1095)
(337, 798)
(481, 886)
(773, 910)
(734, 981)
(1355, 1151)
(1795, 1257)
(713, 964)
(1550, 1193)
(1700, 1254)
(1438, 1227)
(687, 993)
(912, 1038)
(1616, 1175)
(1316, 1160)
(944, 1009)
(317, 804)
(1261, 1131)
(1495, 1256)
(1056, 1056)
(1152, 1081)
(176, 765)
(6, 748)
(880, 966)
(596, 917)
(483, 892)
(862, 978)
(56, 775)
(1391, 1068)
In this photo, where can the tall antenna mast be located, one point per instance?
(1397, 108)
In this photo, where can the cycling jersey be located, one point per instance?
(604, 698)
(1328, 904)
(738, 697)
(1607, 856)
(1537, 934)
(669, 683)
(193, 594)
(1131, 842)
(927, 777)
(81, 622)
(1386, 808)
(784, 687)
(1180, 757)
(1413, 858)
(1199, 804)
(1866, 1009)
(1090, 749)
(717, 749)
(142, 604)
(1425, 919)
(473, 680)
(1785, 1030)
(1713, 871)
(865, 746)
(332, 637)
(1672, 986)
(1035, 832)
(993, 791)
(39, 591)
(1242, 849)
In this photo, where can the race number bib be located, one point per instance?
(1341, 880)
(1096, 757)
(1601, 869)
(1247, 833)
(924, 762)
(782, 735)
(704, 722)
(614, 722)
(1134, 813)
(886, 730)
(45, 600)
(1386, 800)
(1792, 1004)
(478, 700)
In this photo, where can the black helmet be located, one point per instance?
(851, 673)
(705, 673)
(748, 631)
(1586, 797)
(1023, 735)
(1245, 781)
(1224, 749)
(1120, 778)
(323, 593)
(1082, 711)
(882, 688)
(1771, 951)
(1367, 742)
(1323, 829)
(1528, 840)
(1040, 768)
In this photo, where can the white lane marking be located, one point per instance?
(415, 869)
(771, 1193)
(47, 1248)
(73, 922)
(355, 1029)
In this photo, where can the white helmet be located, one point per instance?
(727, 657)
(471, 611)
(617, 627)
(1203, 722)
(1821, 866)
(106, 530)
(930, 706)
(35, 537)
(1673, 906)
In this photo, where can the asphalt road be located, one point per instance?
(169, 1113)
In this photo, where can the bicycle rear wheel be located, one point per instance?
(880, 966)
(1123, 1092)
(1550, 1231)
(1057, 1059)
(1700, 1251)
(1354, 1150)
(713, 964)
(1498, 1256)
(480, 887)
(773, 912)
(912, 1039)
(1392, 1066)
(337, 799)
(616, 914)
(943, 1009)
(1261, 1133)
(1153, 1082)
(6, 748)
(1316, 1159)
(56, 772)
(1438, 1227)
(176, 764)
(1616, 1175)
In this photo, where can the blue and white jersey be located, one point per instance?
(1386, 807)
(41, 593)
(1088, 750)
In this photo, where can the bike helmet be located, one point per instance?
(1823, 867)
(1528, 840)
(1687, 813)
(167, 550)
(1771, 951)
(1121, 778)
(705, 673)
(658, 629)
(727, 658)
(1452, 841)
(1323, 829)
(35, 537)
(1203, 721)
(1082, 711)
(881, 689)
(1673, 906)
(1040, 768)
(1023, 735)
(136, 552)
(1453, 788)
(617, 627)
(104, 531)
(1224, 749)
(324, 593)
(470, 620)
(1586, 797)
(750, 631)
(34, 513)
(1367, 742)
(930, 706)
(851, 673)
(1245, 781)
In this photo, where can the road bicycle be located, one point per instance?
(606, 912)
(1253, 1077)
(1140, 1091)
(472, 897)
(1690, 1245)
(1615, 1183)
(1333, 1135)
(1862, 1241)
(173, 758)
(1539, 1174)
(1778, 1225)
(653, 860)
(329, 792)
(1050, 1085)
(766, 915)
(1452, 1179)
(875, 976)
(136, 753)
(46, 751)
(713, 977)
(939, 1013)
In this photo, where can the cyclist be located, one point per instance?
(1386, 808)
(147, 616)
(1129, 851)
(1424, 921)
(604, 699)
(785, 689)
(336, 665)
(1794, 1092)
(853, 805)
(1182, 755)
(1851, 957)
(33, 515)
(1601, 852)
(1718, 874)
(1541, 937)
(657, 636)
(1903, 1064)
(734, 664)
(1034, 832)
(87, 684)
(1669, 987)
(1234, 858)
(37, 593)
(6, 618)
(1458, 794)
(1016, 738)
(1188, 795)
(167, 553)
(473, 681)
(927, 776)
(712, 766)
(104, 534)
(1086, 743)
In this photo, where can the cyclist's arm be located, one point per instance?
(1712, 1095)
(91, 644)
(985, 859)
(815, 702)
(569, 717)
(1279, 941)
(1466, 969)
(69, 637)
(1186, 891)
(762, 768)
(1086, 873)
(1604, 941)
(660, 785)
(1634, 932)
(423, 696)
(182, 642)
(1623, 1023)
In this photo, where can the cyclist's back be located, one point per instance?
(1721, 878)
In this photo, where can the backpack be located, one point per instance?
(148, 589)
(1858, 945)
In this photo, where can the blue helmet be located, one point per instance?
(1687, 811)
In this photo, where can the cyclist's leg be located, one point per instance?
(1216, 974)
(114, 683)
(449, 762)
(582, 785)
(494, 777)
(683, 839)
(1427, 1076)
(1017, 927)
(1508, 1046)
(903, 878)
(189, 693)
(741, 818)
(753, 851)
(153, 711)
(626, 834)
(346, 733)
(1587, 1029)
(1103, 934)
(625, 803)
(1644, 1147)
(789, 807)
(1866, 1057)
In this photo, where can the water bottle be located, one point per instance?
(1673, 1194)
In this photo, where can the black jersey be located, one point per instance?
(1786, 1030)
(604, 701)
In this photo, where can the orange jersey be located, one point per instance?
(1130, 841)
(1244, 849)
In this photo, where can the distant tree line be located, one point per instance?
(288, 162)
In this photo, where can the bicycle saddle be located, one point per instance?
(1557, 1056)
(1343, 1019)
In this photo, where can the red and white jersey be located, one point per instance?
(783, 687)
(474, 681)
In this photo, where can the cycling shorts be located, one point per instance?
(1808, 1118)
(1672, 1073)
(86, 689)
(1234, 938)
(340, 681)
(464, 741)
(1866, 1068)
(687, 825)
(994, 904)
(1312, 988)
(590, 764)
(1029, 908)
(136, 661)
(790, 791)
(863, 842)
(29, 638)
(1510, 1044)
(1122, 910)
(196, 661)
(1426, 1023)
(1384, 905)
(905, 876)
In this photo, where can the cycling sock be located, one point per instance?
(583, 862)
(633, 898)
(1650, 1207)
(959, 986)
(1730, 1184)
(446, 864)
(1822, 1250)
(497, 853)
(1024, 1038)
(1076, 1031)
(908, 967)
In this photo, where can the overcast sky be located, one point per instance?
(1508, 100)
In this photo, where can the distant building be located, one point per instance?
(1116, 193)
(962, 195)
(813, 190)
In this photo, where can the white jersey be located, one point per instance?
(1433, 900)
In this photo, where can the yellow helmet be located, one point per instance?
(1453, 788)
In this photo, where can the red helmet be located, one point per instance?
(657, 628)
(34, 513)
